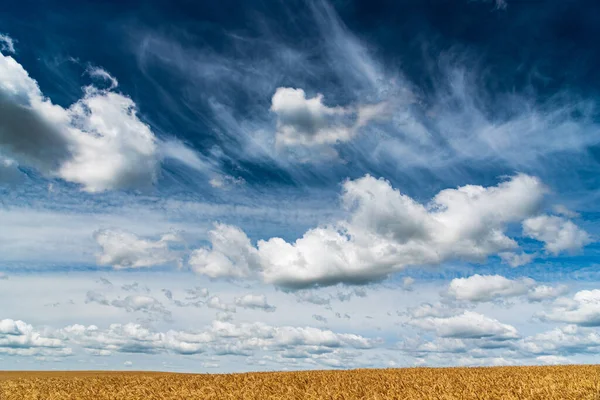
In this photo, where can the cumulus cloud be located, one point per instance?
(557, 233)
(98, 142)
(254, 301)
(385, 232)
(479, 288)
(562, 341)
(21, 339)
(483, 288)
(124, 250)
(216, 303)
(583, 309)
(308, 121)
(544, 292)
(468, 325)
(220, 338)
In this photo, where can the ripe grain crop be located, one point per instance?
(543, 383)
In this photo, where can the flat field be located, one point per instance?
(543, 383)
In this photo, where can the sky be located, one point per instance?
(304, 184)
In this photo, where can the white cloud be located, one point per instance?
(583, 309)
(562, 341)
(468, 325)
(308, 122)
(408, 283)
(133, 303)
(385, 232)
(20, 338)
(123, 249)
(515, 259)
(544, 292)
(216, 303)
(557, 233)
(480, 288)
(101, 73)
(7, 44)
(98, 142)
(563, 211)
(254, 301)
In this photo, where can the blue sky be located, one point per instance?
(234, 186)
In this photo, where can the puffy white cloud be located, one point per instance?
(482, 288)
(479, 288)
(544, 292)
(123, 249)
(468, 325)
(557, 233)
(216, 303)
(385, 232)
(231, 254)
(563, 341)
(308, 122)
(582, 310)
(20, 338)
(219, 338)
(254, 301)
(98, 142)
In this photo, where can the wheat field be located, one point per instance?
(543, 383)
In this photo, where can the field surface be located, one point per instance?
(562, 382)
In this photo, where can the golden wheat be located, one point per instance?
(543, 383)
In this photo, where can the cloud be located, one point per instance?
(3, 276)
(125, 250)
(319, 318)
(21, 339)
(254, 301)
(468, 325)
(98, 142)
(564, 211)
(134, 303)
(516, 260)
(562, 341)
(385, 232)
(480, 288)
(543, 292)
(100, 73)
(483, 288)
(196, 293)
(145, 304)
(557, 233)
(582, 310)
(309, 122)
(7, 44)
(216, 303)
